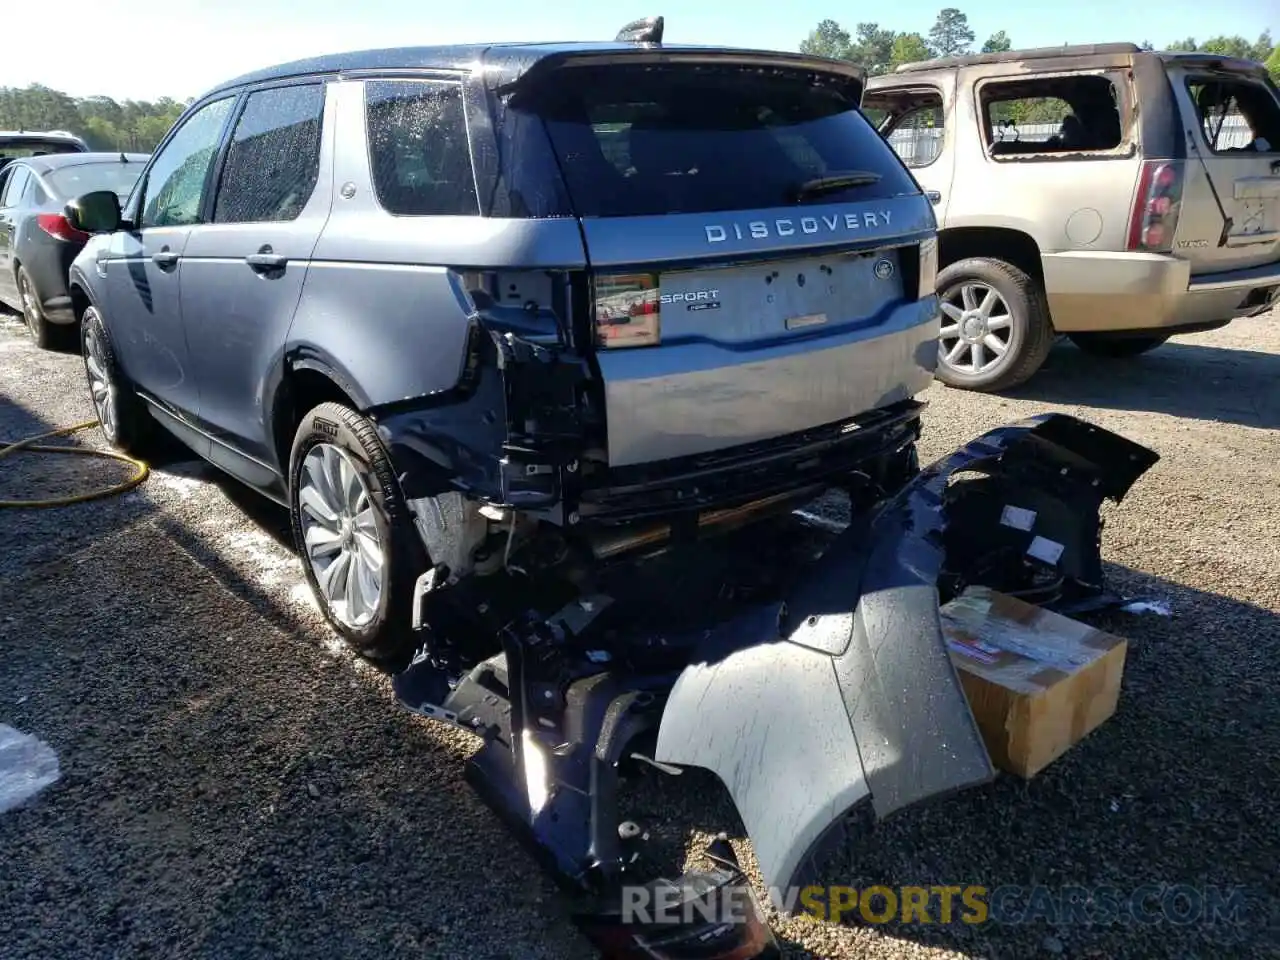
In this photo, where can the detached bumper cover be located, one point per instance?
(846, 691)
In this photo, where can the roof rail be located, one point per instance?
(1038, 53)
(646, 30)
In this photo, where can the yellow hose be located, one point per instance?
(33, 445)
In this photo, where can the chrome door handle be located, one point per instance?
(263, 262)
(934, 197)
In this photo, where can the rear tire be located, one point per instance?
(354, 534)
(48, 336)
(126, 423)
(996, 330)
(1114, 346)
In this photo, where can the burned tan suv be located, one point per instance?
(1111, 194)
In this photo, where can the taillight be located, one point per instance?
(928, 280)
(1155, 208)
(627, 310)
(59, 227)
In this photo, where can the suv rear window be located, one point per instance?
(636, 141)
(1237, 116)
(31, 147)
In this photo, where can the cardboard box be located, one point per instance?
(1037, 682)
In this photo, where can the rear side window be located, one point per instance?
(274, 157)
(1077, 113)
(418, 148)
(1237, 116)
(637, 141)
(916, 135)
(17, 184)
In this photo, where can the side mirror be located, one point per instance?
(97, 212)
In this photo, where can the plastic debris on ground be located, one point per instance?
(27, 766)
(1157, 607)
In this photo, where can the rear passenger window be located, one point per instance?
(1067, 115)
(1237, 116)
(16, 186)
(418, 148)
(916, 136)
(274, 157)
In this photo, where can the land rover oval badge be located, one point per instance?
(884, 269)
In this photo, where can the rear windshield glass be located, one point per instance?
(14, 150)
(84, 178)
(1236, 115)
(639, 141)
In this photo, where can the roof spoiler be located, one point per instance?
(648, 30)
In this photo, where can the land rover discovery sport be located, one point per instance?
(492, 308)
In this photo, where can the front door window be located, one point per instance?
(176, 181)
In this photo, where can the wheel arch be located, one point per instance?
(305, 382)
(999, 243)
(79, 294)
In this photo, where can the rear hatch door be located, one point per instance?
(1232, 118)
(751, 237)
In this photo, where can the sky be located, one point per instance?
(180, 48)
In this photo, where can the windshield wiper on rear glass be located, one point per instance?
(833, 183)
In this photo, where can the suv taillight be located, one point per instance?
(1155, 208)
(627, 310)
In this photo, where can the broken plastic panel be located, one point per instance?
(827, 689)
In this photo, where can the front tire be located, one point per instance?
(1114, 346)
(126, 424)
(996, 332)
(353, 532)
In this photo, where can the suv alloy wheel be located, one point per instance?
(353, 532)
(995, 329)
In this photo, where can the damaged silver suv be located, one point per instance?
(513, 330)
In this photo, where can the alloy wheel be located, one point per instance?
(340, 534)
(101, 385)
(977, 328)
(30, 306)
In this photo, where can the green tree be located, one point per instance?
(828, 39)
(1273, 64)
(1230, 46)
(950, 34)
(105, 124)
(998, 42)
(1236, 46)
(908, 48)
(37, 108)
(873, 48)
(1262, 47)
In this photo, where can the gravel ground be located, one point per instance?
(233, 784)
